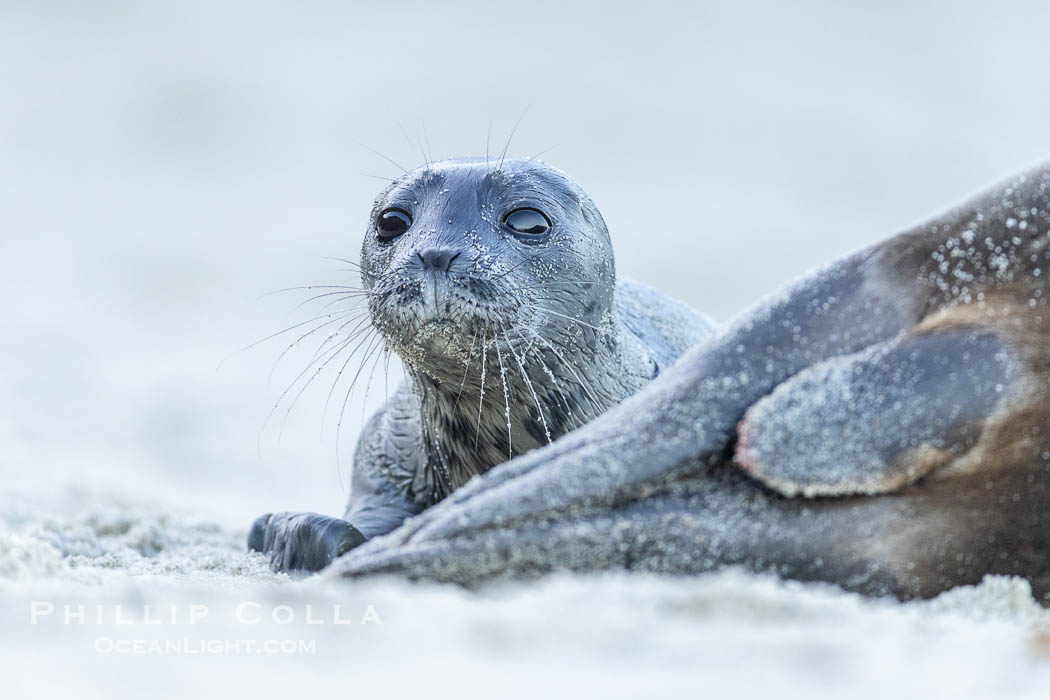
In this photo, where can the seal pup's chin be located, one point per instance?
(458, 337)
(456, 328)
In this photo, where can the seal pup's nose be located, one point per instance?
(437, 259)
(436, 262)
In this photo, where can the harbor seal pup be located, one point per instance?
(495, 284)
(880, 424)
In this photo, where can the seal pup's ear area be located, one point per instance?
(880, 419)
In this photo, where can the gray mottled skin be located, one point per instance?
(903, 389)
(509, 343)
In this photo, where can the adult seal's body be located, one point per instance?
(496, 285)
(881, 424)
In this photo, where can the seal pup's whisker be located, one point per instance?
(444, 472)
(426, 136)
(364, 325)
(279, 333)
(306, 385)
(353, 383)
(355, 303)
(488, 136)
(366, 337)
(466, 369)
(295, 383)
(530, 258)
(315, 286)
(572, 368)
(423, 152)
(379, 354)
(374, 348)
(386, 374)
(573, 319)
(528, 383)
(346, 399)
(545, 150)
(306, 335)
(408, 139)
(384, 157)
(323, 358)
(506, 398)
(360, 317)
(377, 177)
(481, 398)
(556, 383)
(510, 138)
(355, 295)
(354, 265)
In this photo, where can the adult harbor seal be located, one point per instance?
(880, 424)
(495, 283)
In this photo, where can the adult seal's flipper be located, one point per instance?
(877, 420)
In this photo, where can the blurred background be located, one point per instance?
(163, 166)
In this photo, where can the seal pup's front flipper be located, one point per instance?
(302, 541)
(880, 419)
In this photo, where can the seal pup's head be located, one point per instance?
(465, 254)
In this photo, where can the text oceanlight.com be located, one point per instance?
(203, 647)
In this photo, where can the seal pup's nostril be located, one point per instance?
(437, 258)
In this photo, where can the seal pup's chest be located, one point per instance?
(464, 435)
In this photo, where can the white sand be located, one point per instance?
(724, 635)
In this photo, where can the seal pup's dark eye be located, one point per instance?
(392, 223)
(527, 222)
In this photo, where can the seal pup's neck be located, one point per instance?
(510, 396)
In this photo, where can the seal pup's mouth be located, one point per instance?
(452, 332)
(441, 313)
(455, 328)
